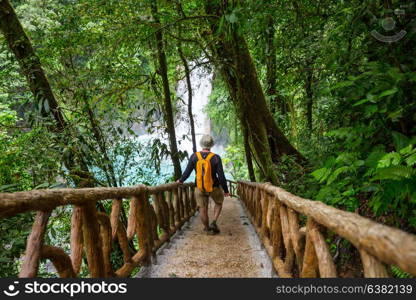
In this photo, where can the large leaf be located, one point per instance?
(374, 157)
(392, 158)
(411, 160)
(400, 141)
(320, 173)
(394, 173)
(336, 173)
(388, 93)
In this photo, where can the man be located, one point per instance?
(214, 181)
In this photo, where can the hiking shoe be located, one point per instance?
(208, 231)
(214, 227)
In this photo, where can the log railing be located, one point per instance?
(293, 231)
(232, 187)
(154, 215)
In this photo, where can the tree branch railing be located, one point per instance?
(155, 214)
(232, 187)
(293, 231)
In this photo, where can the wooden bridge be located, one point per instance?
(293, 230)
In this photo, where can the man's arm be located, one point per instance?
(189, 168)
(221, 176)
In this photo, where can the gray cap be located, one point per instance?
(206, 141)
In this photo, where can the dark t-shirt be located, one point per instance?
(217, 171)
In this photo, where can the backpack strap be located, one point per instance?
(208, 158)
(210, 155)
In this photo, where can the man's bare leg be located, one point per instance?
(203, 213)
(217, 211)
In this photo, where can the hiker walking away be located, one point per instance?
(210, 182)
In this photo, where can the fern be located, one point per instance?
(336, 173)
(394, 173)
(321, 174)
(411, 160)
(399, 273)
(374, 157)
(392, 158)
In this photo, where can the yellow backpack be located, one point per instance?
(204, 180)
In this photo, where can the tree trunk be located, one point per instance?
(189, 86)
(309, 99)
(248, 154)
(168, 111)
(268, 141)
(271, 66)
(107, 165)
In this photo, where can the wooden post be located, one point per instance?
(290, 254)
(176, 206)
(123, 242)
(180, 204)
(296, 237)
(105, 232)
(265, 208)
(92, 240)
(34, 245)
(193, 200)
(165, 208)
(186, 202)
(326, 264)
(76, 238)
(158, 210)
(171, 210)
(373, 268)
(269, 213)
(310, 261)
(114, 216)
(151, 224)
(254, 202)
(276, 231)
(142, 227)
(132, 219)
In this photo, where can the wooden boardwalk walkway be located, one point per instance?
(235, 252)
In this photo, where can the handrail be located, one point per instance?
(276, 216)
(232, 187)
(291, 228)
(171, 206)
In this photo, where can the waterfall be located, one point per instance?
(202, 87)
(201, 81)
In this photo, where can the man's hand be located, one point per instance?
(227, 195)
(178, 181)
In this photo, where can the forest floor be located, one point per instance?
(235, 252)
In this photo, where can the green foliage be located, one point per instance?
(387, 180)
(399, 273)
(234, 162)
(13, 233)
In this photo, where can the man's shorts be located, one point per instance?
(202, 198)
